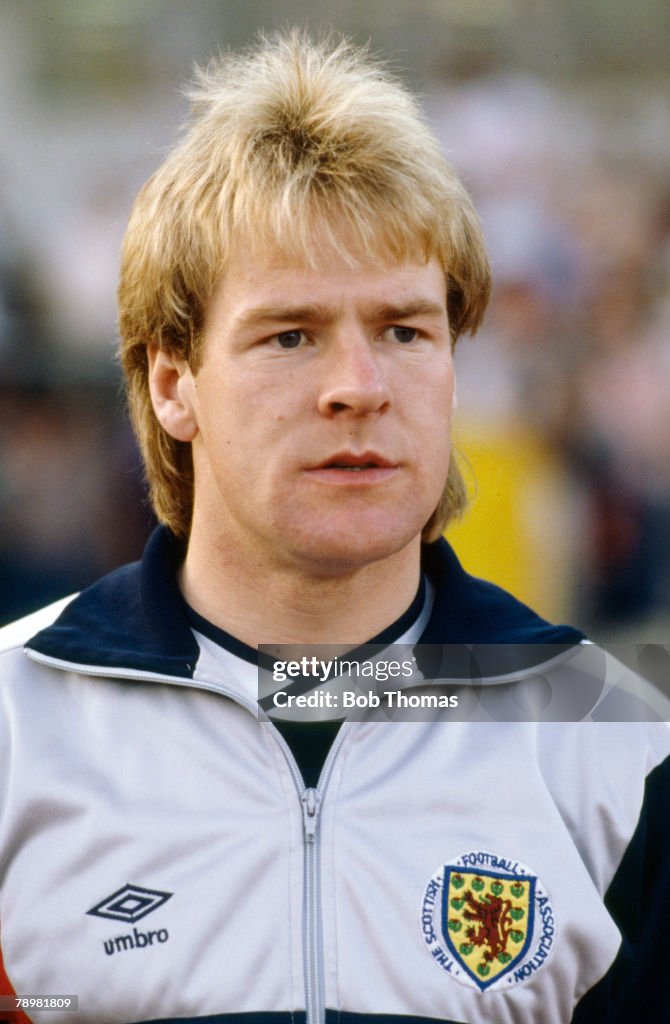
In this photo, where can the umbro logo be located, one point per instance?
(130, 903)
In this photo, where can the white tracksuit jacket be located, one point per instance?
(161, 859)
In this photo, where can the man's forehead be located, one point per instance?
(273, 287)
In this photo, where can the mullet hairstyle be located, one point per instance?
(290, 138)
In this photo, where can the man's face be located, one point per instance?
(322, 408)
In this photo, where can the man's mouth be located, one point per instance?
(356, 463)
(366, 467)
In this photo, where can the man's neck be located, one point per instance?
(257, 602)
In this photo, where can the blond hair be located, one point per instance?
(290, 137)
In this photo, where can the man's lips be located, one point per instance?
(354, 468)
(351, 461)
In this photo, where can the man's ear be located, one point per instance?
(172, 392)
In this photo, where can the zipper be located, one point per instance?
(311, 800)
(312, 923)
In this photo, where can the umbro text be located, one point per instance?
(138, 940)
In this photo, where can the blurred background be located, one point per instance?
(557, 115)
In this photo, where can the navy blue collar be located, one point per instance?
(135, 619)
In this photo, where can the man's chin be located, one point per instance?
(334, 552)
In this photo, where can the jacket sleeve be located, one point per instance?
(637, 985)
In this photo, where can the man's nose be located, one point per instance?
(354, 382)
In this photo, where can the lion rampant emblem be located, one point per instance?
(494, 923)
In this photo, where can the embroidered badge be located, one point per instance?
(487, 921)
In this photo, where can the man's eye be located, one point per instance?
(289, 339)
(402, 334)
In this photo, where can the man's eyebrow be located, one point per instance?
(284, 315)
(409, 309)
(312, 313)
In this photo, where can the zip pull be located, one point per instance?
(311, 802)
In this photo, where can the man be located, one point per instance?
(295, 277)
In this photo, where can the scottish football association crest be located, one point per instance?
(487, 921)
